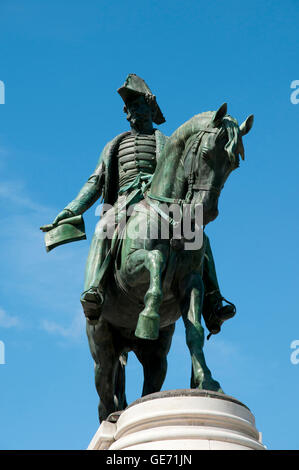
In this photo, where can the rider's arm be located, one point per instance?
(89, 193)
(87, 196)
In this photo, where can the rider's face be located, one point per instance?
(139, 113)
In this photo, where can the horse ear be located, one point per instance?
(246, 125)
(220, 113)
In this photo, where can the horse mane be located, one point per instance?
(234, 146)
(189, 130)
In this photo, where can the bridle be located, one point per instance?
(191, 181)
(191, 176)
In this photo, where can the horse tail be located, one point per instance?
(120, 383)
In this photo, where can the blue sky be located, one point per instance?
(61, 62)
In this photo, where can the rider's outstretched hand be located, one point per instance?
(65, 214)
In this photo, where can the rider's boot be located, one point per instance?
(215, 313)
(92, 301)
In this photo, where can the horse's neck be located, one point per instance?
(169, 179)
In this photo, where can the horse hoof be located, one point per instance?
(148, 326)
(92, 321)
(212, 385)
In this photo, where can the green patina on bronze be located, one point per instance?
(137, 287)
(65, 231)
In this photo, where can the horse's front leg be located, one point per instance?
(154, 262)
(191, 298)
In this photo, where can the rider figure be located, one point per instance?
(125, 168)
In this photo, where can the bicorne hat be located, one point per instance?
(135, 85)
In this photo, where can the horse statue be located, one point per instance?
(155, 280)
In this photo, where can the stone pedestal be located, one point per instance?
(180, 420)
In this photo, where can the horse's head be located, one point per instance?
(211, 154)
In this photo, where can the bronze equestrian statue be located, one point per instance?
(136, 287)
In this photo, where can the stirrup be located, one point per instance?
(226, 311)
(220, 315)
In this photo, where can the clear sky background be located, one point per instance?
(61, 62)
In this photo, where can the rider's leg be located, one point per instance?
(92, 298)
(214, 312)
(94, 286)
(191, 290)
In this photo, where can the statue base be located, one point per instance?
(188, 419)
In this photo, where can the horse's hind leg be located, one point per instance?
(106, 356)
(191, 294)
(153, 357)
